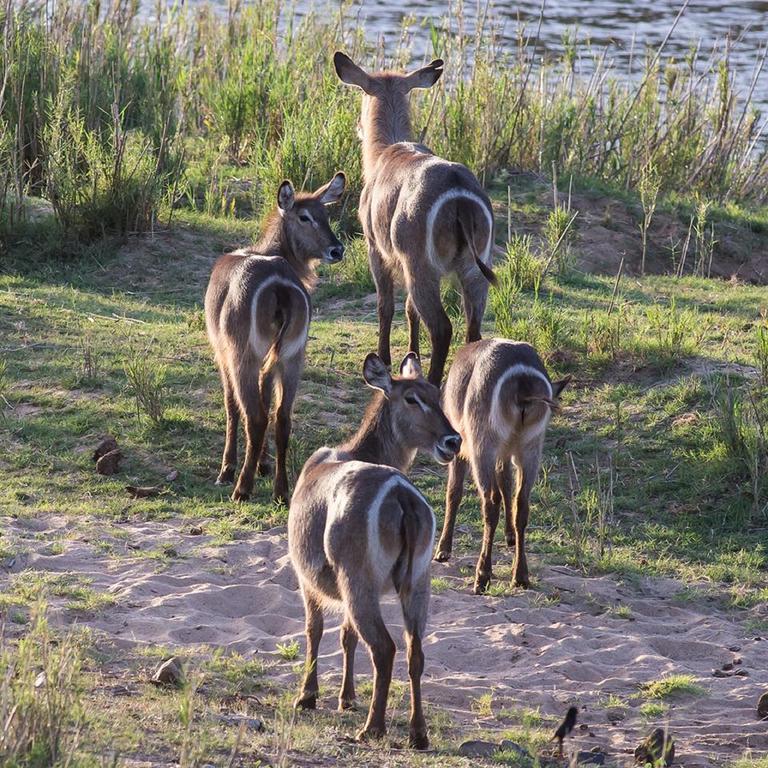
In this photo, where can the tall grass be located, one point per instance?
(41, 712)
(743, 421)
(110, 116)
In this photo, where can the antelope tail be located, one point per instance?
(466, 219)
(273, 354)
(553, 405)
(411, 531)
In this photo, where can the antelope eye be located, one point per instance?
(305, 218)
(411, 400)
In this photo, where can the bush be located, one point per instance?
(146, 383)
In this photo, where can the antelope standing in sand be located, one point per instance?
(500, 398)
(257, 312)
(423, 217)
(357, 528)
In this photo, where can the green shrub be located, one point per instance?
(146, 384)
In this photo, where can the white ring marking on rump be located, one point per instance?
(454, 194)
(261, 344)
(518, 369)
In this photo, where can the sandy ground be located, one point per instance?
(547, 648)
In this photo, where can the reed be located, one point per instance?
(111, 116)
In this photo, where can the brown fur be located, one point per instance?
(405, 184)
(501, 424)
(257, 313)
(357, 527)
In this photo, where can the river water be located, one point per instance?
(624, 27)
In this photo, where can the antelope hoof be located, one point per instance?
(442, 555)
(306, 701)
(522, 580)
(345, 704)
(371, 733)
(226, 476)
(418, 740)
(240, 495)
(482, 582)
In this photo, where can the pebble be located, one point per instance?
(762, 706)
(170, 673)
(477, 748)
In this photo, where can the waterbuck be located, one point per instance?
(357, 527)
(500, 398)
(257, 312)
(423, 217)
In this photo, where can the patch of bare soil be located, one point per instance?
(551, 647)
(608, 229)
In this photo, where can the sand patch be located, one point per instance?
(550, 647)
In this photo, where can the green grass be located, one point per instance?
(750, 762)
(672, 686)
(29, 587)
(652, 710)
(288, 651)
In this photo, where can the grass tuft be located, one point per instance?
(672, 686)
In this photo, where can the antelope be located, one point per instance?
(500, 398)
(423, 217)
(357, 528)
(257, 313)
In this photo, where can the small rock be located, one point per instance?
(737, 660)
(250, 723)
(512, 748)
(172, 475)
(170, 673)
(109, 463)
(741, 672)
(40, 680)
(762, 706)
(143, 491)
(107, 445)
(658, 745)
(734, 648)
(590, 758)
(476, 748)
(719, 673)
(196, 530)
(727, 666)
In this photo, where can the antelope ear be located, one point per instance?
(410, 368)
(350, 73)
(559, 386)
(425, 77)
(376, 374)
(285, 196)
(333, 190)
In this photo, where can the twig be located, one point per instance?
(616, 285)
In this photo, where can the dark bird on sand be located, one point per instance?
(565, 727)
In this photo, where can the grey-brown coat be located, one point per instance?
(357, 528)
(500, 398)
(423, 217)
(257, 313)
